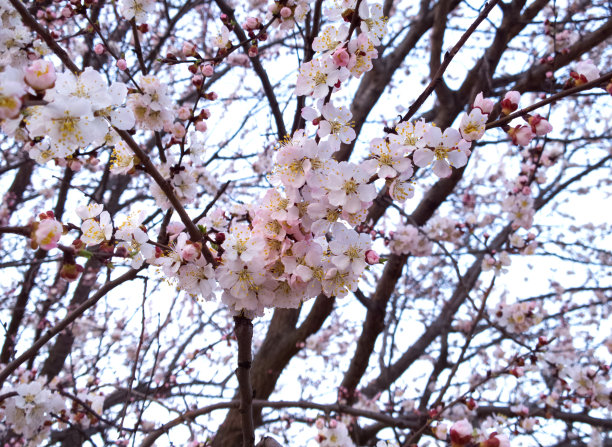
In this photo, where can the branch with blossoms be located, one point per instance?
(313, 232)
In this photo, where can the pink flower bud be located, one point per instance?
(205, 114)
(539, 125)
(184, 113)
(122, 64)
(70, 272)
(521, 135)
(188, 49)
(201, 126)
(66, 12)
(76, 166)
(99, 48)
(253, 51)
(461, 433)
(48, 233)
(285, 12)
(197, 80)
(250, 24)
(341, 57)
(190, 252)
(40, 75)
(485, 105)
(178, 131)
(212, 96)
(510, 102)
(207, 70)
(372, 257)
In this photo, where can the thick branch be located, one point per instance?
(244, 336)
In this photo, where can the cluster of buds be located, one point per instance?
(522, 134)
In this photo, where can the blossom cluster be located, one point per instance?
(32, 408)
(29, 412)
(334, 433)
(299, 241)
(519, 317)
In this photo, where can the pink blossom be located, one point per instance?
(250, 24)
(587, 71)
(472, 126)
(174, 228)
(99, 49)
(178, 131)
(539, 125)
(201, 126)
(510, 102)
(188, 49)
(183, 113)
(40, 75)
(207, 70)
(485, 105)
(341, 57)
(48, 233)
(285, 12)
(189, 252)
(521, 135)
(461, 432)
(122, 64)
(372, 257)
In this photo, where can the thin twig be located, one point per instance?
(448, 57)
(562, 94)
(72, 316)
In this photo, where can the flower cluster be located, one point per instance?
(17, 43)
(407, 239)
(77, 113)
(29, 412)
(333, 434)
(462, 433)
(519, 317)
(152, 106)
(523, 134)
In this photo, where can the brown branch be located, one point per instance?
(23, 231)
(138, 47)
(260, 71)
(599, 82)
(194, 232)
(393, 372)
(244, 336)
(408, 421)
(214, 200)
(448, 57)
